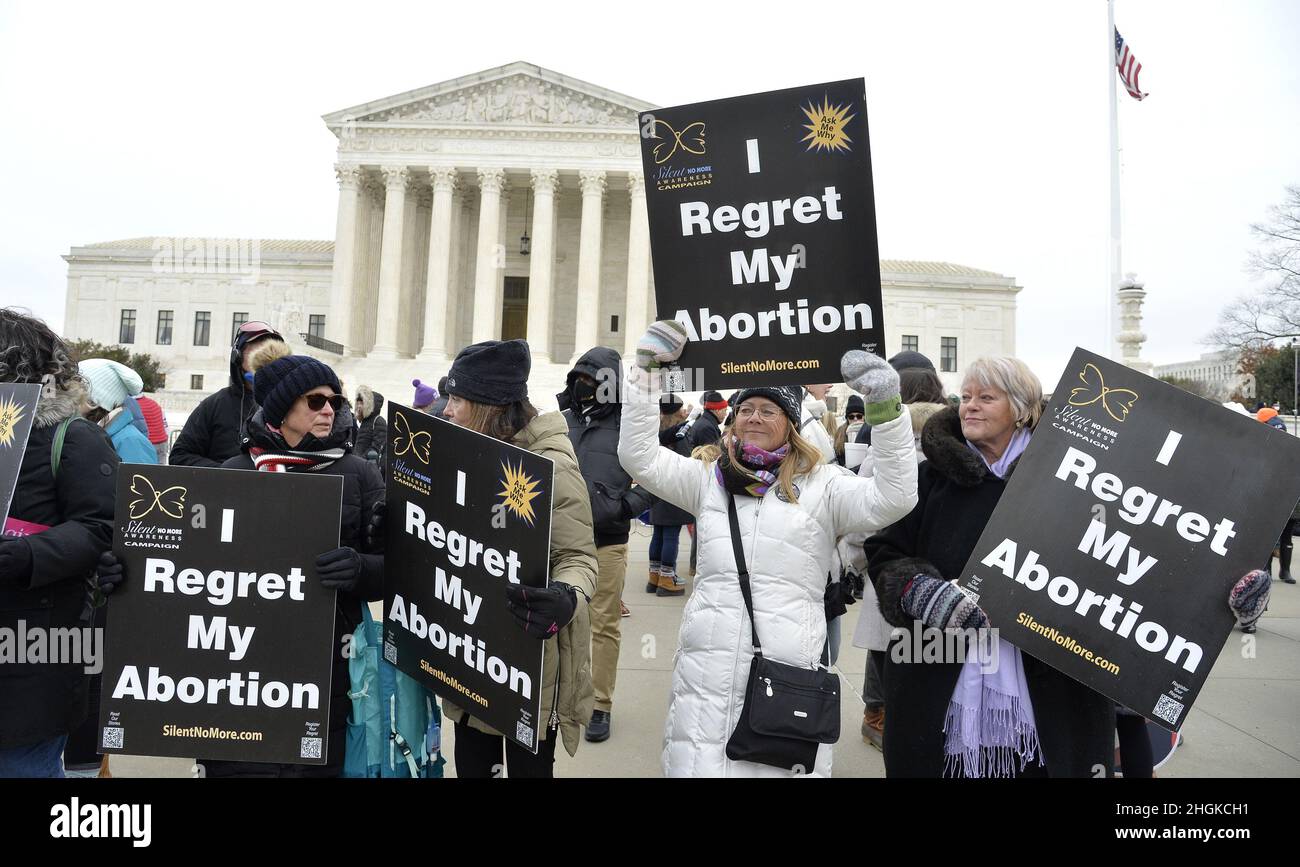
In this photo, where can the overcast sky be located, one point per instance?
(988, 126)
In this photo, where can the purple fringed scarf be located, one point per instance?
(990, 720)
(760, 461)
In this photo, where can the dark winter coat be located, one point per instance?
(363, 488)
(614, 501)
(956, 496)
(664, 513)
(373, 433)
(706, 431)
(214, 430)
(42, 701)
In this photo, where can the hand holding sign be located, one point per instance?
(542, 611)
(16, 562)
(108, 572)
(661, 344)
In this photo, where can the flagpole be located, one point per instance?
(1112, 293)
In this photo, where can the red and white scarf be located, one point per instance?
(268, 461)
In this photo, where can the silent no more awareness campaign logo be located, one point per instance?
(417, 443)
(169, 502)
(1117, 402)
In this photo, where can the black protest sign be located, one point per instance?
(17, 411)
(763, 232)
(1127, 521)
(467, 515)
(220, 641)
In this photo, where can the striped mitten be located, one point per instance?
(940, 604)
(661, 344)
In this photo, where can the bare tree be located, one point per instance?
(1274, 312)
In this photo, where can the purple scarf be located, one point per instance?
(760, 462)
(990, 721)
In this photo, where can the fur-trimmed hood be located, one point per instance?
(369, 403)
(62, 403)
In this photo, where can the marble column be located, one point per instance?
(490, 258)
(638, 267)
(390, 263)
(541, 265)
(339, 324)
(586, 329)
(437, 313)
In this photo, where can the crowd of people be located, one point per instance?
(794, 511)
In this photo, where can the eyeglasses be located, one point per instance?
(316, 402)
(767, 413)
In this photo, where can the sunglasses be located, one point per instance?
(856, 416)
(316, 402)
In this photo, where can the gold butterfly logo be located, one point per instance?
(170, 501)
(689, 139)
(1117, 401)
(418, 443)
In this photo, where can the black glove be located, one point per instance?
(542, 611)
(108, 572)
(15, 563)
(339, 569)
(374, 532)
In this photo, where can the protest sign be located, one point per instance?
(763, 233)
(1128, 519)
(17, 411)
(220, 642)
(467, 515)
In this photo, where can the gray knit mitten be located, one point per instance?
(877, 381)
(662, 343)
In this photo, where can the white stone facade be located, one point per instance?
(437, 188)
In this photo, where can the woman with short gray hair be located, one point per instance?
(1025, 719)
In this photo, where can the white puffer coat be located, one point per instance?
(788, 549)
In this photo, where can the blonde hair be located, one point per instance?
(1012, 376)
(803, 458)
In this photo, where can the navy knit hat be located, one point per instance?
(494, 372)
(788, 397)
(277, 385)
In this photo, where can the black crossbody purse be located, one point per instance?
(788, 710)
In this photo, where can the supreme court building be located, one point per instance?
(508, 203)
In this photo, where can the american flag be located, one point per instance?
(1128, 67)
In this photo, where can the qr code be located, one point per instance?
(390, 654)
(675, 379)
(1168, 709)
(310, 748)
(112, 738)
(524, 734)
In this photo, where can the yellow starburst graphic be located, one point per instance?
(518, 492)
(826, 127)
(11, 412)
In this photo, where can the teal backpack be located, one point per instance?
(395, 728)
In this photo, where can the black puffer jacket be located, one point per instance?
(664, 513)
(706, 431)
(614, 501)
(213, 432)
(363, 488)
(957, 495)
(373, 433)
(42, 701)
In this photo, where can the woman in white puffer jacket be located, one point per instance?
(791, 508)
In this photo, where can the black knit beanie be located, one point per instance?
(494, 372)
(788, 397)
(855, 404)
(669, 404)
(277, 385)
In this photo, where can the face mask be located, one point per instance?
(584, 396)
